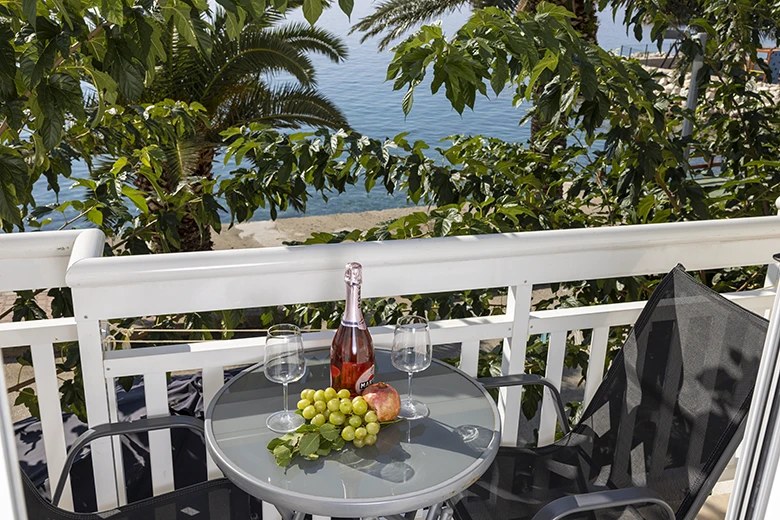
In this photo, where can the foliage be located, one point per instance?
(48, 49)
(232, 81)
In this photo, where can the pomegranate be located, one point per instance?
(384, 400)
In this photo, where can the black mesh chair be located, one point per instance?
(657, 434)
(212, 500)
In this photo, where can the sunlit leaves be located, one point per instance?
(312, 9)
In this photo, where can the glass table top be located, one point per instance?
(413, 464)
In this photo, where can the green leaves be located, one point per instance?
(14, 185)
(29, 10)
(329, 432)
(347, 6)
(308, 441)
(312, 9)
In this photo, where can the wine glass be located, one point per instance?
(412, 352)
(284, 363)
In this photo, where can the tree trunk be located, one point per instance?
(191, 236)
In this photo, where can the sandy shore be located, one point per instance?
(268, 233)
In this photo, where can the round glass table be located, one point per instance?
(413, 464)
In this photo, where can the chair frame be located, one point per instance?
(598, 500)
(121, 428)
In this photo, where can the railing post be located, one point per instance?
(90, 244)
(513, 362)
(96, 400)
(772, 270)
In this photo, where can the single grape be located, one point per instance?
(318, 420)
(348, 433)
(370, 440)
(321, 406)
(319, 395)
(343, 393)
(326, 413)
(336, 418)
(372, 428)
(330, 393)
(309, 412)
(334, 404)
(345, 406)
(305, 393)
(359, 406)
(360, 432)
(371, 416)
(358, 443)
(355, 421)
(303, 403)
(310, 394)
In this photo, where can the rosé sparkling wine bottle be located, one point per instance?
(352, 351)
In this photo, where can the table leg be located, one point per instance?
(289, 514)
(434, 512)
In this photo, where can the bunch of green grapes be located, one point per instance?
(358, 424)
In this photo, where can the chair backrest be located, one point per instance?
(672, 406)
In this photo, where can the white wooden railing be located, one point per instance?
(31, 261)
(120, 287)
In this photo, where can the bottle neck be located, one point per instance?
(353, 316)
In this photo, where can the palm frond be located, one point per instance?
(393, 18)
(181, 159)
(306, 38)
(286, 106)
(255, 53)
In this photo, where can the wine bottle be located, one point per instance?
(352, 350)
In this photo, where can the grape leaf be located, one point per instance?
(274, 443)
(306, 428)
(324, 451)
(338, 444)
(309, 444)
(283, 455)
(330, 432)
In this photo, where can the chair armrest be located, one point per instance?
(565, 506)
(120, 428)
(531, 379)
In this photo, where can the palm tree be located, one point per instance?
(393, 18)
(233, 84)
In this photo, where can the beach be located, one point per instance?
(272, 233)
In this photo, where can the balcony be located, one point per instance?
(172, 284)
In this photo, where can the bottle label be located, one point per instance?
(365, 380)
(359, 324)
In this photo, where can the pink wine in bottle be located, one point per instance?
(352, 351)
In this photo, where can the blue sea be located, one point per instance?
(358, 87)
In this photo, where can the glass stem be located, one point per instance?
(410, 387)
(285, 397)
